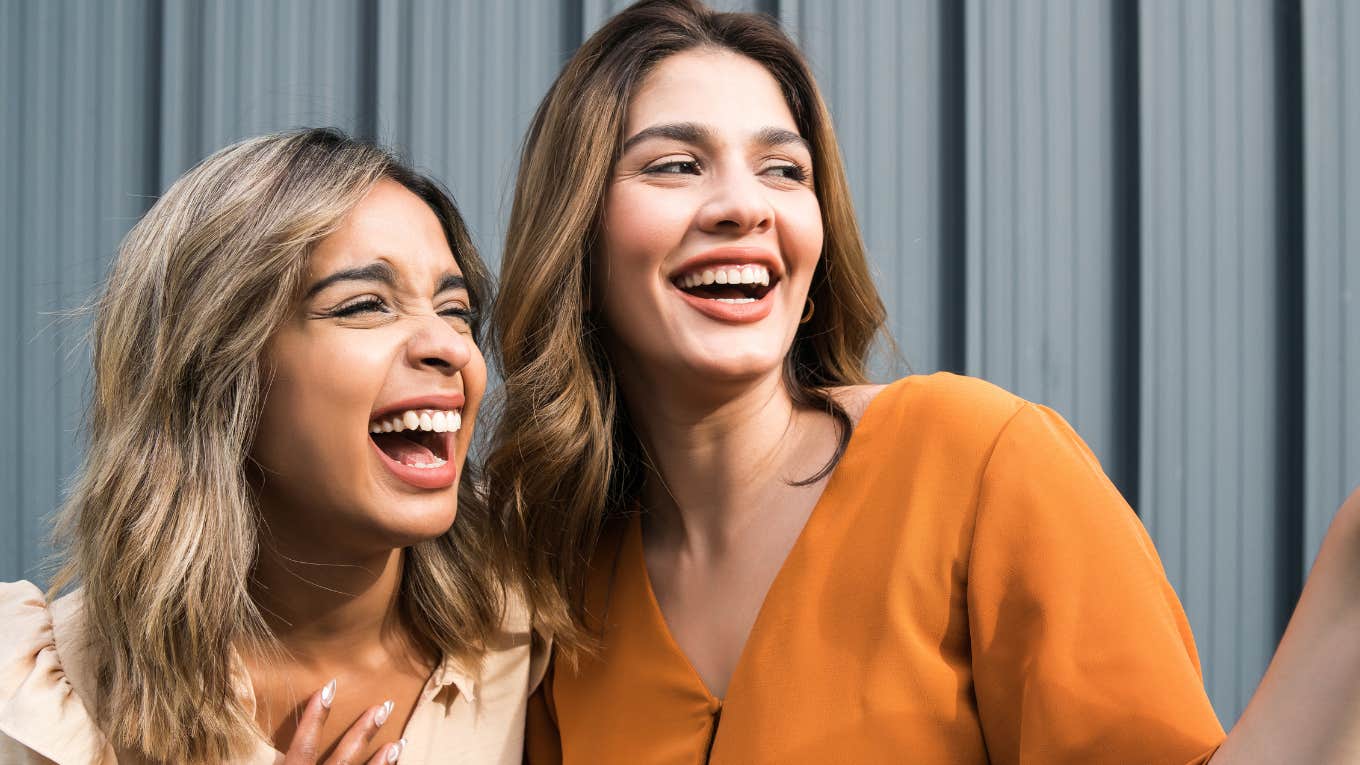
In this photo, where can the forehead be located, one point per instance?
(392, 224)
(718, 88)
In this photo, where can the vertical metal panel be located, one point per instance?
(76, 146)
(880, 68)
(457, 86)
(1331, 117)
(236, 69)
(1210, 434)
(1041, 255)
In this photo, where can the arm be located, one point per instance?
(1081, 651)
(1307, 708)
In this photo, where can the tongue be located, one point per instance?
(402, 449)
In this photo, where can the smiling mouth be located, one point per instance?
(418, 438)
(727, 284)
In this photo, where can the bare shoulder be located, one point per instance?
(855, 398)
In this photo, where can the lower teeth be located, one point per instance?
(735, 300)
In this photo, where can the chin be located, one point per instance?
(735, 365)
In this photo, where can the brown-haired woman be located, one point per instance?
(286, 379)
(747, 554)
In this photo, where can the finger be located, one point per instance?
(388, 754)
(306, 744)
(351, 747)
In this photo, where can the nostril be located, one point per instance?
(435, 361)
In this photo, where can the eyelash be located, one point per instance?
(795, 172)
(374, 304)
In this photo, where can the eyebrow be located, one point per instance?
(380, 271)
(373, 272)
(700, 135)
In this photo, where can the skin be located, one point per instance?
(706, 396)
(337, 517)
(724, 437)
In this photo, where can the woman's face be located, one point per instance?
(375, 382)
(711, 228)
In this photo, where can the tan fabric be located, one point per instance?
(970, 589)
(466, 714)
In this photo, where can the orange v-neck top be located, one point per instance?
(970, 588)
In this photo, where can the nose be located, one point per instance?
(737, 204)
(437, 346)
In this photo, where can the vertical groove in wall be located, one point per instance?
(13, 74)
(366, 118)
(1127, 250)
(1290, 338)
(953, 215)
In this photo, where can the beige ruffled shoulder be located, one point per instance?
(42, 717)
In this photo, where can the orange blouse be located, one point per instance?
(970, 588)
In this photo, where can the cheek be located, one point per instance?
(801, 233)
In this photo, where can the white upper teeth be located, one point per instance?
(726, 275)
(439, 421)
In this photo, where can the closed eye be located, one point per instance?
(366, 305)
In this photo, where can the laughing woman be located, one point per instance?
(286, 379)
(745, 552)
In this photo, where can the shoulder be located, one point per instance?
(953, 411)
(43, 711)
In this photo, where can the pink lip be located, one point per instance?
(733, 313)
(441, 477)
(732, 256)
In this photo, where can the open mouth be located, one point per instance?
(735, 284)
(417, 438)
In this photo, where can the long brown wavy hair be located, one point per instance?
(563, 457)
(161, 529)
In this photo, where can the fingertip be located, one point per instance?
(328, 694)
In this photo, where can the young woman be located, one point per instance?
(746, 553)
(286, 380)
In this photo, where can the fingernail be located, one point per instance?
(384, 712)
(328, 694)
(393, 752)
(401, 746)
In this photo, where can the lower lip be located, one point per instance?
(732, 313)
(441, 477)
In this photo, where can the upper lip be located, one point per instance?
(731, 256)
(442, 401)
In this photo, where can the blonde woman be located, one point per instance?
(747, 553)
(286, 380)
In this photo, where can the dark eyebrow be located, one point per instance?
(451, 282)
(773, 136)
(373, 272)
(685, 132)
(689, 132)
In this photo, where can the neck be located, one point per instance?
(326, 610)
(718, 457)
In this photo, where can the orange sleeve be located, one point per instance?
(542, 742)
(1081, 651)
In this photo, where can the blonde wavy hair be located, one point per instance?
(563, 456)
(161, 529)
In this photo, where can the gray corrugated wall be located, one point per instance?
(1138, 213)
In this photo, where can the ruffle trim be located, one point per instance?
(39, 707)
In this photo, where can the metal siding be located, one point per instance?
(1331, 117)
(1210, 430)
(1041, 251)
(879, 67)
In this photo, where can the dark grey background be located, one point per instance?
(1142, 213)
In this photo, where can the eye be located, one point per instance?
(675, 167)
(460, 314)
(368, 304)
(788, 172)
